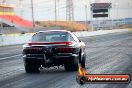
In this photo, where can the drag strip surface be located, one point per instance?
(111, 53)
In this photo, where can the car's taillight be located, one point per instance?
(65, 49)
(28, 44)
(32, 50)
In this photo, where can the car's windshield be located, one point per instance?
(51, 37)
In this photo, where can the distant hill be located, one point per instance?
(72, 26)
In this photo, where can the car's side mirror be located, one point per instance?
(79, 40)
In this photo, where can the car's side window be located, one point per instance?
(71, 38)
(74, 37)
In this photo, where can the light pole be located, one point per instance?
(128, 11)
(55, 12)
(21, 7)
(116, 6)
(1, 24)
(32, 12)
(86, 12)
(91, 15)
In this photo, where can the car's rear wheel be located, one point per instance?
(83, 62)
(31, 69)
(67, 67)
(72, 66)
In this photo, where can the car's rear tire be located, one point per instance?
(31, 69)
(75, 67)
(67, 67)
(72, 66)
(83, 62)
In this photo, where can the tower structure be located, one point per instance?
(69, 10)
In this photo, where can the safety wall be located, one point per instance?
(15, 39)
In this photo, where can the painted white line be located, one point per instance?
(10, 57)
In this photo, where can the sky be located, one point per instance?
(44, 9)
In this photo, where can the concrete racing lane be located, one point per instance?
(111, 53)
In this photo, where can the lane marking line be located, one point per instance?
(10, 57)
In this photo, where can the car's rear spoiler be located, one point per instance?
(49, 43)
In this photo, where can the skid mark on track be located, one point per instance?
(3, 58)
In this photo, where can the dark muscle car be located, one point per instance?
(53, 48)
